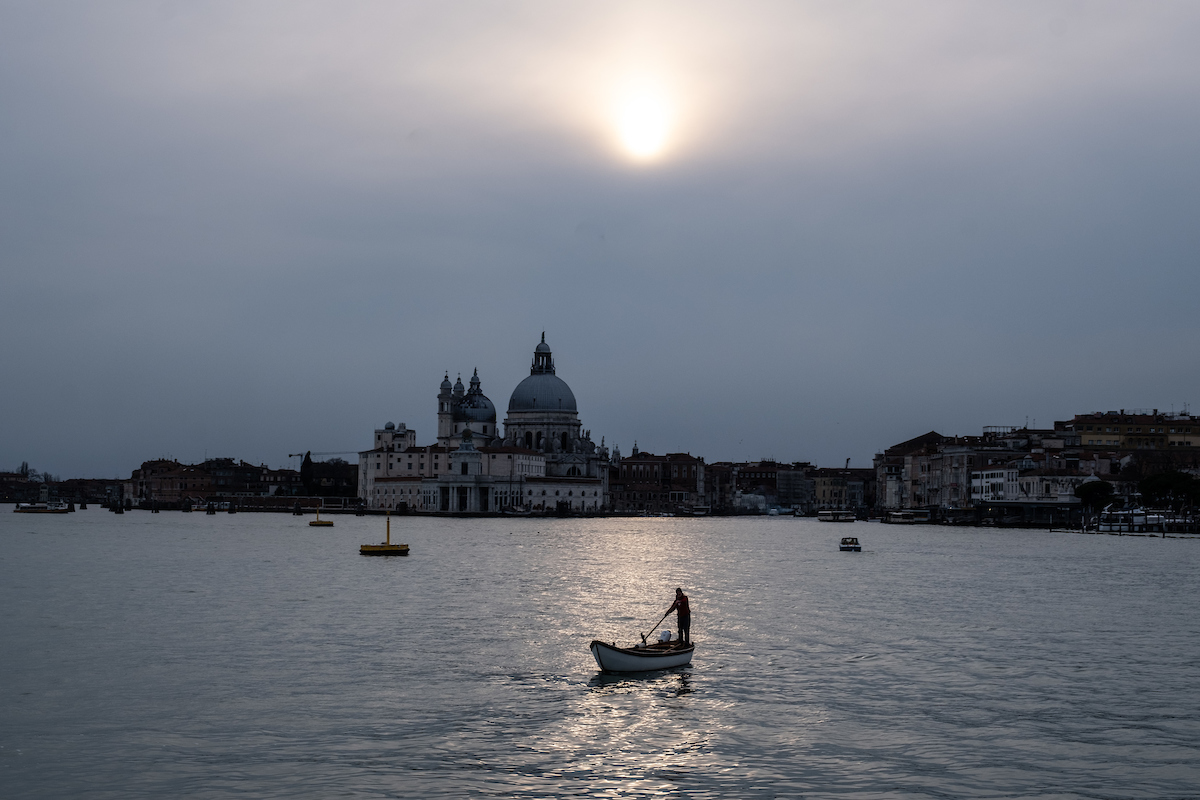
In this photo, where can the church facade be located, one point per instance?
(543, 461)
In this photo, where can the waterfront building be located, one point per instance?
(671, 483)
(897, 469)
(169, 483)
(794, 488)
(390, 474)
(757, 478)
(1133, 430)
(543, 461)
(842, 488)
(719, 486)
(1030, 475)
(14, 486)
(829, 489)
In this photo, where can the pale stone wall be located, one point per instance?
(391, 492)
(502, 464)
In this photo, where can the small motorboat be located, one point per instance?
(850, 545)
(641, 657)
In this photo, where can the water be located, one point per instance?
(159, 655)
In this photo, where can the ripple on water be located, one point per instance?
(214, 656)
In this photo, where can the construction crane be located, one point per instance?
(332, 453)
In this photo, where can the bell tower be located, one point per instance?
(445, 428)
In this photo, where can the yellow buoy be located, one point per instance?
(387, 548)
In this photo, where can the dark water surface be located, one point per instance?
(160, 655)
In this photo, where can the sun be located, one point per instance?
(644, 126)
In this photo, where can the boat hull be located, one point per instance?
(611, 658)
(39, 508)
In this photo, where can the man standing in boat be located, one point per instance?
(685, 615)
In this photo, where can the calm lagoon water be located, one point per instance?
(161, 655)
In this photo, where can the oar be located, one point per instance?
(664, 616)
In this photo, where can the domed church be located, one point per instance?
(545, 460)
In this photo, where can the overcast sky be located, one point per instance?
(749, 229)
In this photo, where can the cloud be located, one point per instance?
(252, 227)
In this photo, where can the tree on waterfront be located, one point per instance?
(1176, 490)
(1094, 494)
(306, 473)
(33, 476)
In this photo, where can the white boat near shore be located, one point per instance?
(1131, 520)
(641, 658)
(836, 516)
(917, 516)
(42, 508)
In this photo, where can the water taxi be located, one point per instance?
(850, 545)
(41, 508)
(836, 516)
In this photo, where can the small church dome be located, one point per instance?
(475, 405)
(475, 408)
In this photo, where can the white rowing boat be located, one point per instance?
(660, 655)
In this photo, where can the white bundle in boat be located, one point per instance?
(664, 636)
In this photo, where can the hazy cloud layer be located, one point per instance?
(253, 229)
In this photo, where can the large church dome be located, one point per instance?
(542, 390)
(542, 393)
